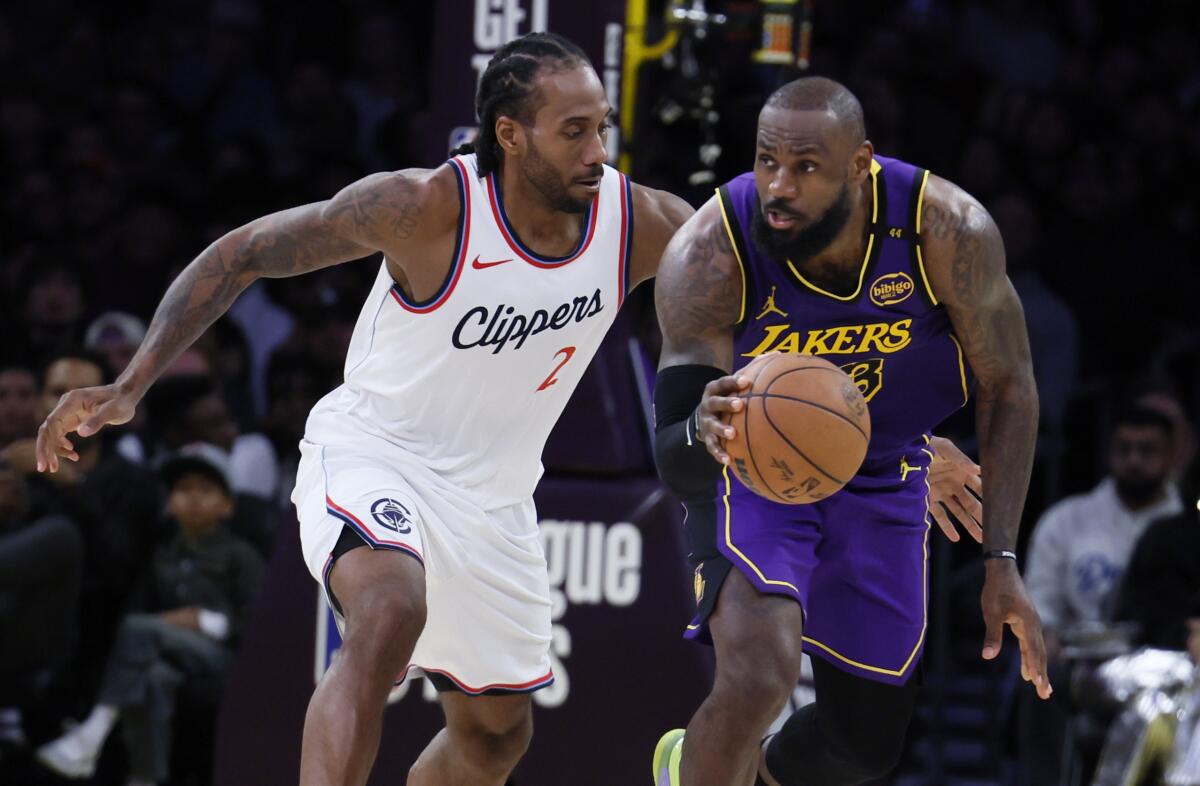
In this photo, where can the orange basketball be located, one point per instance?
(803, 432)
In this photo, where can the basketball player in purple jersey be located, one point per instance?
(897, 276)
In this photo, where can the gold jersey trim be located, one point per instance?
(920, 259)
(862, 272)
(733, 241)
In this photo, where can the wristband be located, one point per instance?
(1000, 554)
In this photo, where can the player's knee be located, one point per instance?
(384, 625)
(760, 677)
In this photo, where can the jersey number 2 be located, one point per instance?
(566, 352)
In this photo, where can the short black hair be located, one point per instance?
(1144, 417)
(507, 88)
(822, 94)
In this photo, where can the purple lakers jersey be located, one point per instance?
(890, 334)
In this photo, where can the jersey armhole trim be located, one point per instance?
(918, 203)
(735, 240)
(461, 240)
(627, 240)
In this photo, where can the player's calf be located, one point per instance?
(484, 738)
(495, 739)
(758, 640)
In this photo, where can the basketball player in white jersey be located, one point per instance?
(502, 270)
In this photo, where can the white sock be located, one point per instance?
(97, 726)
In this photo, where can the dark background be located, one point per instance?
(133, 134)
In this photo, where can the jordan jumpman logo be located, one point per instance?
(770, 308)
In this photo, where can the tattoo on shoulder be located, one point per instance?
(940, 223)
(382, 208)
(701, 293)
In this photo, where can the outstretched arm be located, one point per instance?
(377, 213)
(965, 263)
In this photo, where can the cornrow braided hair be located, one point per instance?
(507, 86)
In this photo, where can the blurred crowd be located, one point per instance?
(133, 134)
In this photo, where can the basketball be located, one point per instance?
(803, 432)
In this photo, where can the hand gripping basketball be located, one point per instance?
(721, 399)
(801, 431)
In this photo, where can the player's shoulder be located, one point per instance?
(962, 250)
(657, 216)
(949, 212)
(659, 208)
(425, 201)
(703, 243)
(700, 283)
(433, 186)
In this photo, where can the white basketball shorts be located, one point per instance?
(487, 591)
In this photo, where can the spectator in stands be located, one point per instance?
(115, 503)
(1161, 591)
(1077, 556)
(52, 306)
(189, 408)
(116, 335)
(1053, 333)
(18, 403)
(294, 385)
(41, 563)
(1183, 455)
(1082, 545)
(186, 615)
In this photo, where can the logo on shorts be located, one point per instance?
(699, 583)
(391, 514)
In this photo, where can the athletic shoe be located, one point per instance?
(667, 754)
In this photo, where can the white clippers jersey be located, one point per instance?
(471, 381)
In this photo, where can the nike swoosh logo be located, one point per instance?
(475, 263)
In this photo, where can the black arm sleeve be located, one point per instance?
(684, 463)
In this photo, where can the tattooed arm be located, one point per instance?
(964, 258)
(698, 296)
(698, 293)
(377, 213)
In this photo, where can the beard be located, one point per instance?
(1138, 490)
(801, 245)
(549, 183)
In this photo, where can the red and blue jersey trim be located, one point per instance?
(351, 521)
(525, 687)
(585, 237)
(627, 244)
(461, 240)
